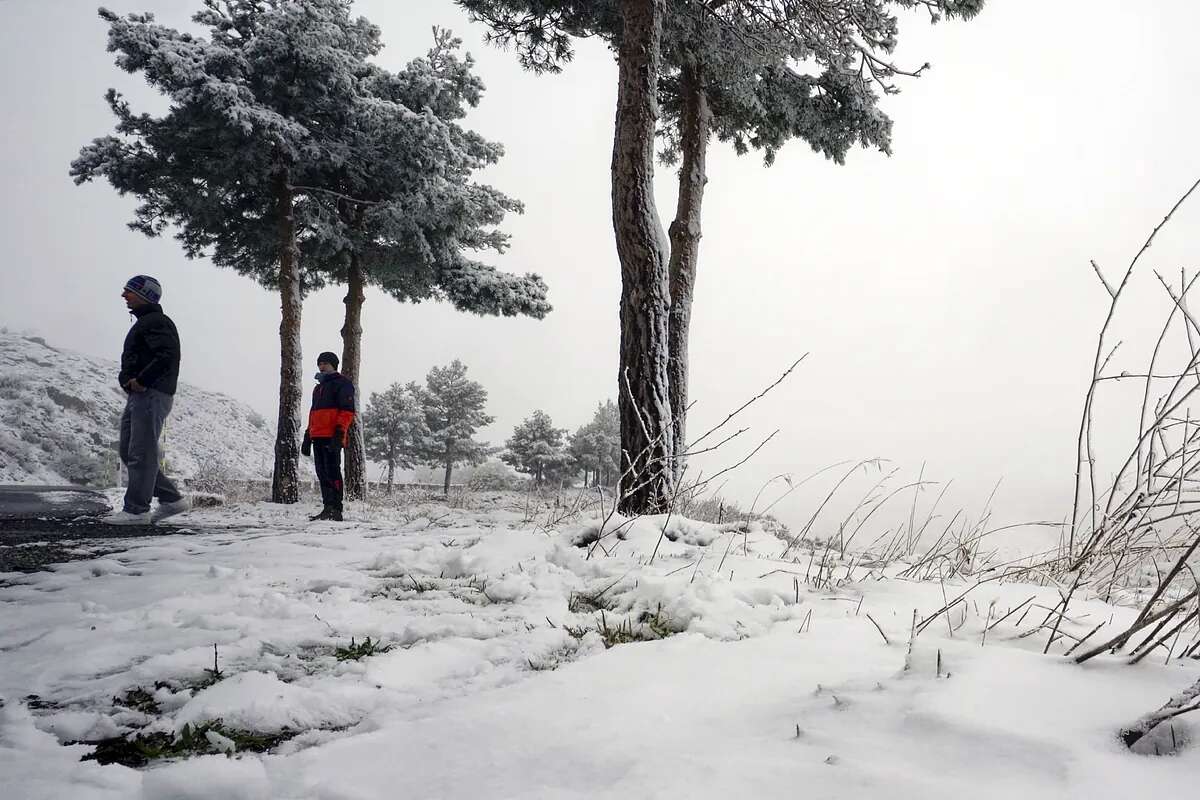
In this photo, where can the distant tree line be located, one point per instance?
(434, 425)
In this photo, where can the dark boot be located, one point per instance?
(335, 515)
(325, 514)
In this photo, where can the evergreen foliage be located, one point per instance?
(394, 427)
(595, 448)
(289, 156)
(454, 411)
(536, 448)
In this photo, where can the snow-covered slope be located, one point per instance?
(59, 413)
(423, 651)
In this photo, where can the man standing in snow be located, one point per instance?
(327, 432)
(149, 373)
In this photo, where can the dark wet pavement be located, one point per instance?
(44, 525)
(21, 502)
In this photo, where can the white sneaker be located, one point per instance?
(165, 510)
(126, 518)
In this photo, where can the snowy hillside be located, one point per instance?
(60, 410)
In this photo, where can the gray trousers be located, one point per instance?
(141, 426)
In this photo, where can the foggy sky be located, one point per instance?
(944, 293)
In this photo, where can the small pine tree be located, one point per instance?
(583, 457)
(394, 427)
(454, 411)
(595, 448)
(536, 448)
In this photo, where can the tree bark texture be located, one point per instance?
(645, 403)
(356, 452)
(446, 485)
(285, 482)
(685, 235)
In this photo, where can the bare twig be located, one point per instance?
(747, 404)
(886, 640)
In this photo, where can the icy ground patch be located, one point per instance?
(487, 673)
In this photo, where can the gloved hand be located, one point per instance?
(306, 445)
(339, 439)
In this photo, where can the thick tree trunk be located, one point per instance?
(695, 124)
(391, 474)
(645, 404)
(356, 454)
(285, 483)
(446, 485)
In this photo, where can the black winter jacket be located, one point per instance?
(151, 352)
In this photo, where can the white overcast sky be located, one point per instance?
(944, 293)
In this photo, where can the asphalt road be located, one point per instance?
(43, 525)
(21, 502)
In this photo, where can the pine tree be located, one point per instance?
(606, 426)
(536, 448)
(252, 139)
(595, 448)
(288, 155)
(454, 411)
(583, 455)
(394, 428)
(410, 210)
(755, 73)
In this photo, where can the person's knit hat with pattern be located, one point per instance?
(145, 287)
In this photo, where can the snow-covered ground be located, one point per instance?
(60, 411)
(490, 679)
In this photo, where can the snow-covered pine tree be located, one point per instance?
(583, 455)
(755, 73)
(254, 134)
(394, 428)
(409, 210)
(606, 439)
(454, 411)
(595, 448)
(537, 449)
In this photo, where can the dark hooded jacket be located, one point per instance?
(151, 352)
